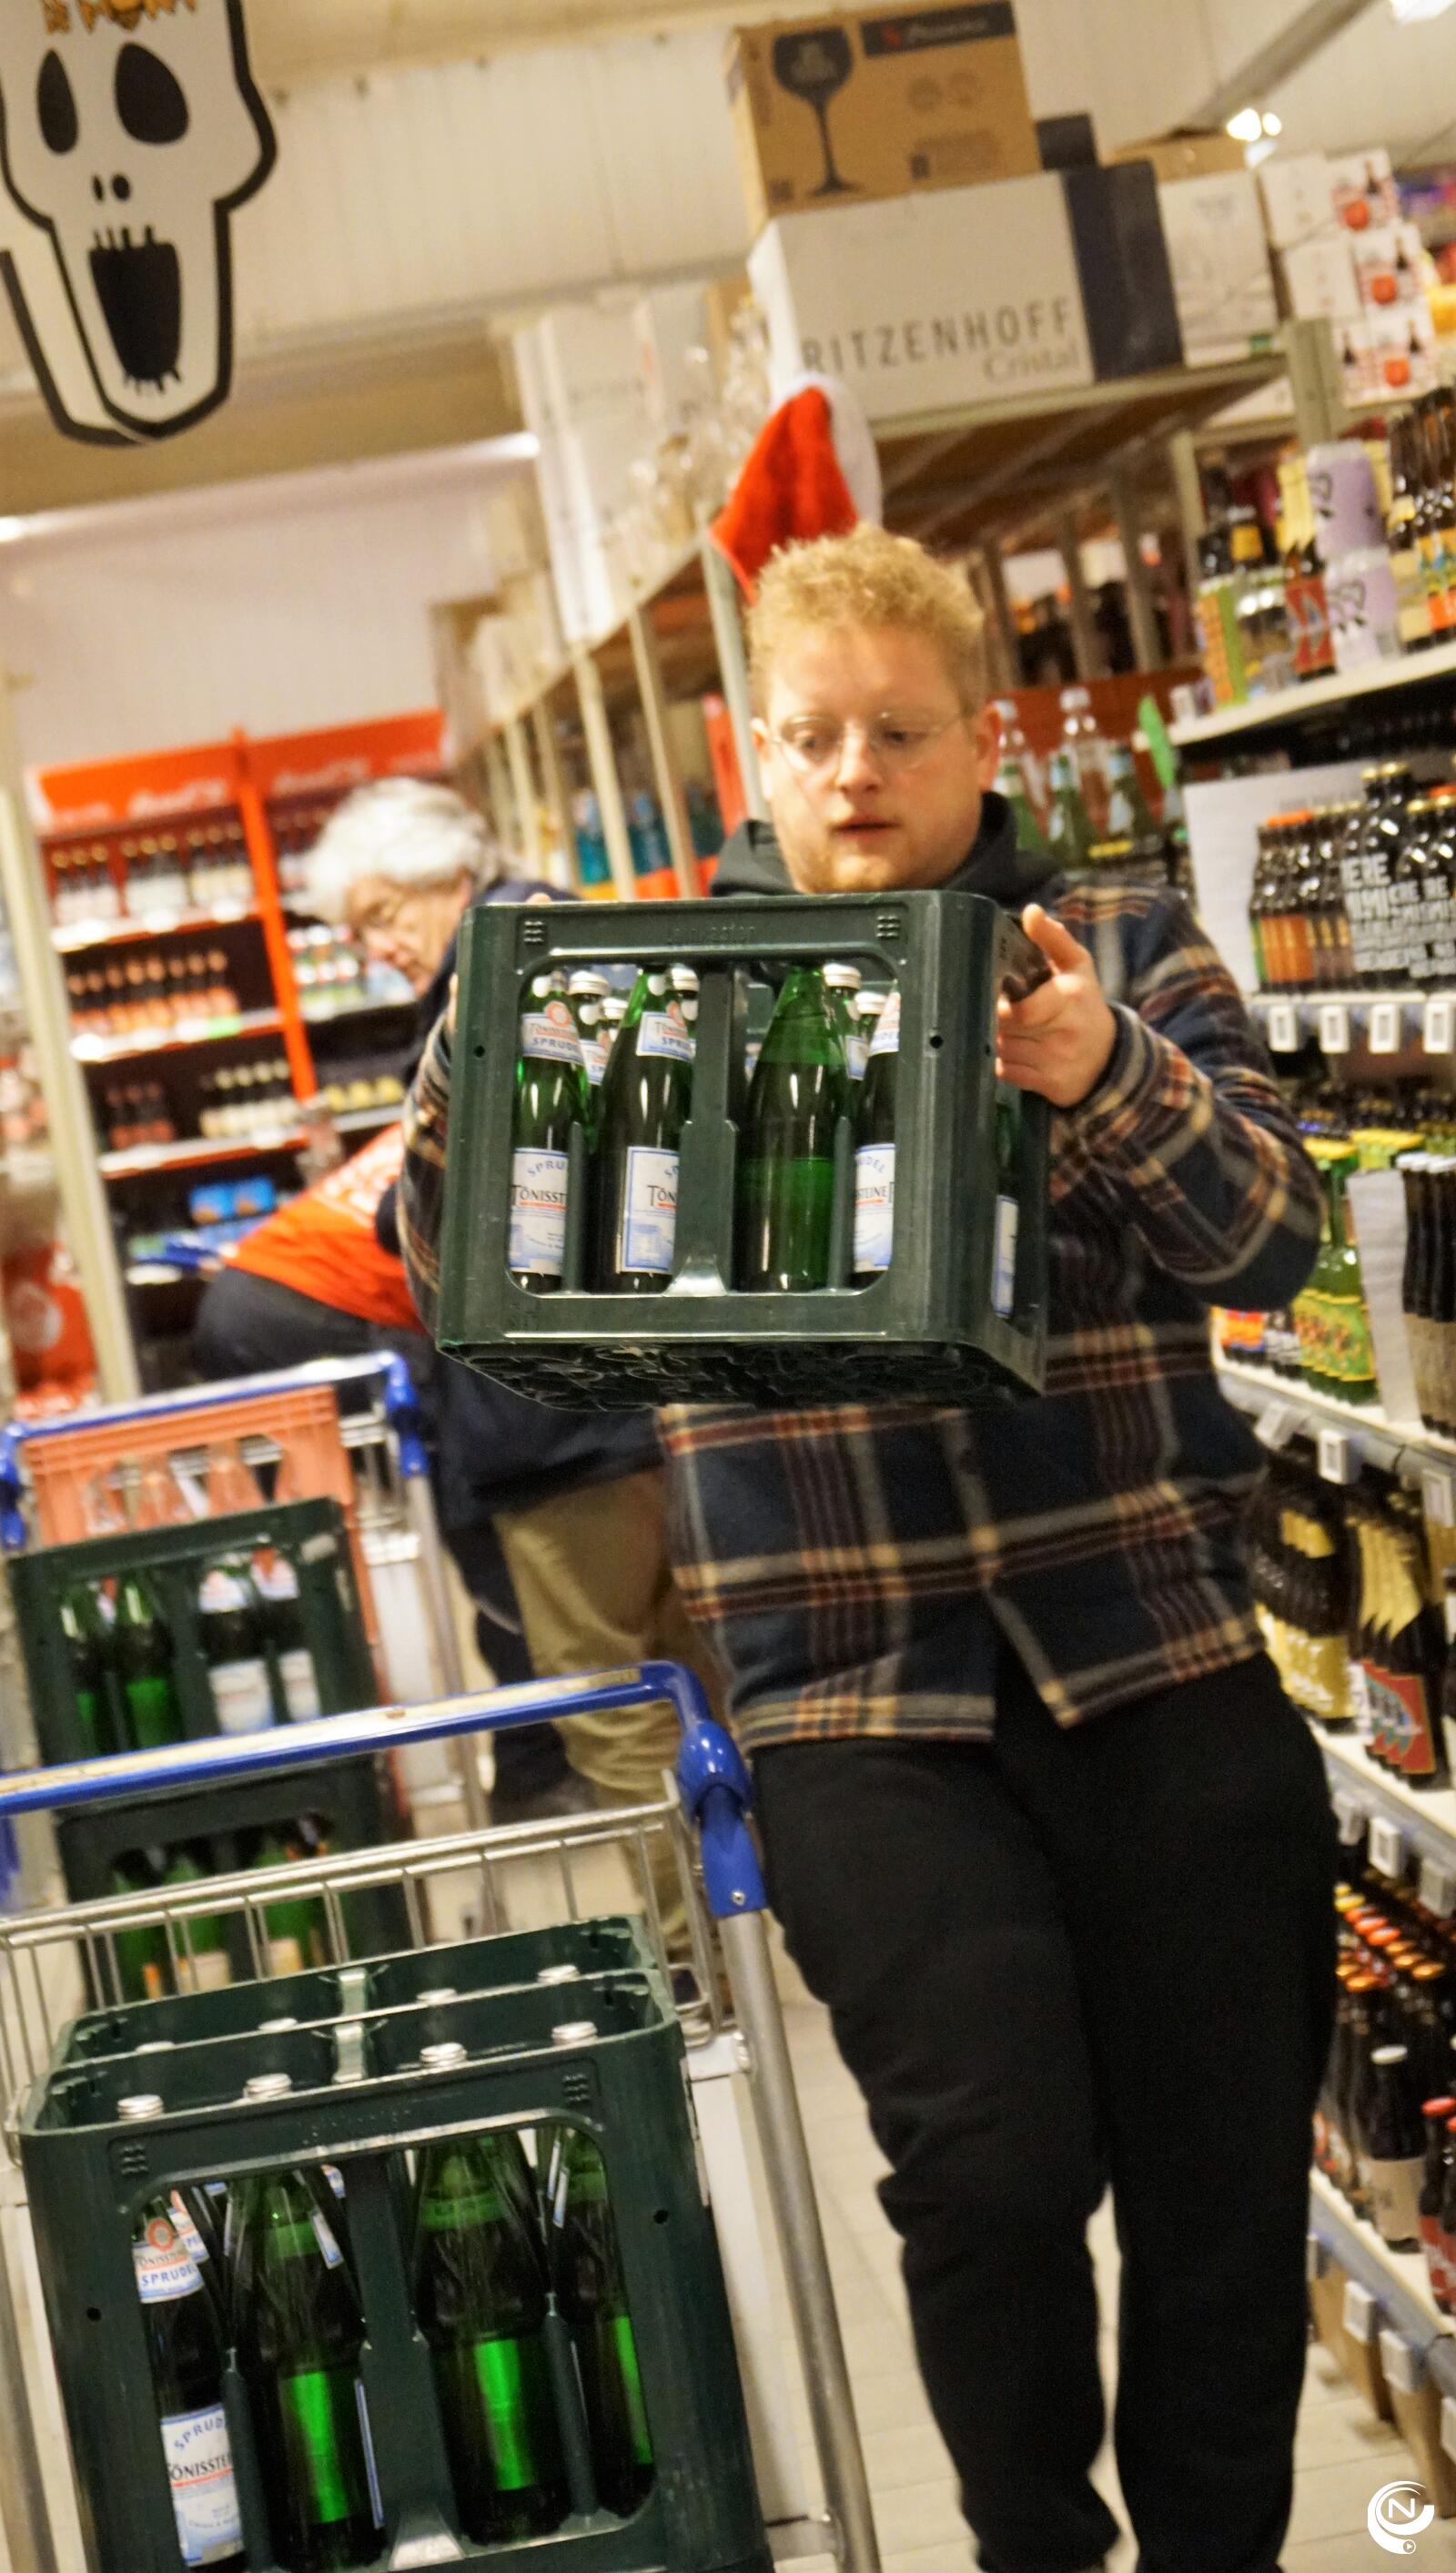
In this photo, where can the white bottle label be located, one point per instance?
(650, 1215)
(874, 1205)
(665, 1032)
(327, 2239)
(241, 1696)
(1004, 1258)
(1395, 2193)
(300, 1684)
(188, 2233)
(886, 1038)
(207, 1970)
(856, 1054)
(166, 2270)
(537, 1213)
(594, 1056)
(204, 2488)
(285, 1957)
(549, 1035)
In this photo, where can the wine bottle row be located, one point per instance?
(517, 2290)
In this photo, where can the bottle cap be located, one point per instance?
(559, 1974)
(842, 978)
(1389, 2053)
(272, 2026)
(438, 1993)
(594, 985)
(144, 2104)
(267, 2085)
(683, 979)
(574, 2032)
(442, 2059)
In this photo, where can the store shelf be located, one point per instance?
(1396, 2279)
(181, 1038)
(79, 937)
(1392, 1446)
(1424, 1817)
(147, 1159)
(362, 1121)
(1382, 1022)
(1289, 707)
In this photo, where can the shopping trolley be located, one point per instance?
(729, 2011)
(366, 1453)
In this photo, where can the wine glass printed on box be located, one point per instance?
(813, 67)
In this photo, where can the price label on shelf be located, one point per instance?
(1438, 1886)
(1438, 1497)
(1350, 1818)
(1339, 1458)
(1438, 1035)
(1277, 1425)
(1387, 1846)
(1284, 1028)
(1334, 1028)
(1385, 1026)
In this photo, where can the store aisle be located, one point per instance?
(1343, 2456)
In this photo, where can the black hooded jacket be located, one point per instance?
(752, 863)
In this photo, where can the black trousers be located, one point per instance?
(1065, 1960)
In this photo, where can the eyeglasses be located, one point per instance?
(814, 747)
(369, 915)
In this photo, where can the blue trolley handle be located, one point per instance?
(401, 1410)
(713, 1777)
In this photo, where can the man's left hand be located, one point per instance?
(1059, 1040)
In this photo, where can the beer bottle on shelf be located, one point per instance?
(1402, 538)
(841, 982)
(184, 2354)
(202, 1939)
(586, 2274)
(230, 1629)
(1010, 782)
(88, 1651)
(1069, 834)
(1420, 1326)
(1360, 2077)
(142, 1651)
(551, 1095)
(799, 1091)
(480, 2302)
(646, 1100)
(1433, 516)
(586, 992)
(276, 1583)
(875, 1148)
(1394, 2149)
(298, 2334)
(1443, 1289)
(1448, 1674)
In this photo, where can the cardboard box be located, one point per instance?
(1318, 280)
(1298, 198)
(1188, 153)
(1363, 192)
(1213, 226)
(1387, 355)
(889, 103)
(1389, 265)
(1038, 286)
(583, 398)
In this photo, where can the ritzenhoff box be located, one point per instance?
(973, 297)
(882, 103)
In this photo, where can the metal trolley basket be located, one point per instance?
(756, 2165)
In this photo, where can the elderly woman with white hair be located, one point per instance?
(400, 862)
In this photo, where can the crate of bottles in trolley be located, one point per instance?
(850, 1207)
(406, 2263)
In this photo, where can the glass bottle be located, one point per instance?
(874, 1150)
(142, 1650)
(799, 1091)
(551, 1095)
(587, 2274)
(646, 1099)
(185, 2356)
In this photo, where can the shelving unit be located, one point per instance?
(184, 1038)
(85, 938)
(1290, 709)
(1282, 1407)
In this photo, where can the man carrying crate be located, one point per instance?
(1040, 1827)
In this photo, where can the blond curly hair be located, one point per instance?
(868, 577)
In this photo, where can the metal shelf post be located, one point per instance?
(523, 791)
(603, 761)
(558, 795)
(722, 591)
(648, 666)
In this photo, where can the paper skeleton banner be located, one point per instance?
(129, 131)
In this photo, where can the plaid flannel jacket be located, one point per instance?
(854, 1565)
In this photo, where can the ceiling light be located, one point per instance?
(1247, 125)
(1274, 124)
(1409, 13)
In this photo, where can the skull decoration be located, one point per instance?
(129, 130)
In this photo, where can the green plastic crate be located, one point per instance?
(88, 2174)
(924, 1330)
(312, 1535)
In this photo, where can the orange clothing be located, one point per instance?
(322, 1243)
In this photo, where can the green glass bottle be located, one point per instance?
(585, 994)
(1010, 782)
(480, 2302)
(202, 1941)
(88, 1650)
(645, 1101)
(586, 2276)
(142, 1959)
(551, 1095)
(276, 1582)
(141, 1643)
(229, 1630)
(799, 1091)
(841, 982)
(1069, 832)
(296, 1925)
(185, 2353)
(1336, 1351)
(298, 2334)
(874, 1150)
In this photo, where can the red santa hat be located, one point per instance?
(813, 472)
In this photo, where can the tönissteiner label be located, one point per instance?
(649, 1218)
(165, 2269)
(537, 1213)
(874, 1205)
(549, 1035)
(886, 1038)
(204, 2489)
(666, 1033)
(1004, 1262)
